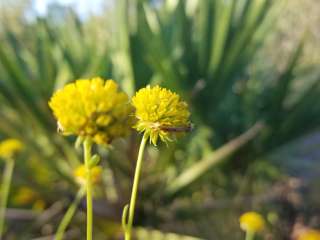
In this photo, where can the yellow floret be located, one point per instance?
(80, 174)
(10, 147)
(160, 113)
(252, 222)
(92, 108)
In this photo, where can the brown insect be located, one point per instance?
(177, 129)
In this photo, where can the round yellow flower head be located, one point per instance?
(92, 108)
(310, 235)
(81, 171)
(160, 113)
(10, 147)
(252, 222)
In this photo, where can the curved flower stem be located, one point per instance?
(87, 157)
(134, 192)
(249, 235)
(7, 175)
(69, 214)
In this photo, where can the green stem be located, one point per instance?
(135, 188)
(69, 214)
(87, 157)
(249, 235)
(5, 192)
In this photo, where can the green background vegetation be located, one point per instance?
(249, 70)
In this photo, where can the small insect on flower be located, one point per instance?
(160, 114)
(252, 222)
(10, 147)
(92, 108)
(177, 129)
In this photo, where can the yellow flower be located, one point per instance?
(160, 113)
(92, 108)
(39, 205)
(81, 171)
(24, 196)
(10, 147)
(310, 234)
(252, 222)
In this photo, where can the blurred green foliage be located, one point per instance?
(207, 51)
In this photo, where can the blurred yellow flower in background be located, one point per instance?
(160, 113)
(310, 234)
(27, 196)
(81, 172)
(10, 147)
(92, 108)
(252, 222)
(39, 205)
(24, 196)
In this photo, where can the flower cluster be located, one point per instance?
(160, 113)
(252, 222)
(10, 147)
(92, 108)
(80, 174)
(95, 110)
